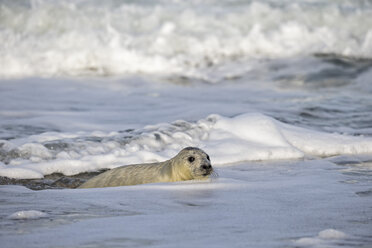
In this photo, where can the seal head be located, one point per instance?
(196, 160)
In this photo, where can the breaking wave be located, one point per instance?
(80, 38)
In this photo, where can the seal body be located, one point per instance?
(190, 163)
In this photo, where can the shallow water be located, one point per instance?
(280, 204)
(279, 94)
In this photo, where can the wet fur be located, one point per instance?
(176, 169)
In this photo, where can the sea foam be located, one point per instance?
(77, 38)
(246, 137)
(324, 238)
(27, 215)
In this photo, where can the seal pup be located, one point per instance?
(190, 163)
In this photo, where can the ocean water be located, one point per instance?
(278, 93)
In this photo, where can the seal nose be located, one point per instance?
(207, 168)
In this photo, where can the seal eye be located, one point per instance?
(191, 159)
(208, 158)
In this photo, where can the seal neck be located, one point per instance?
(180, 172)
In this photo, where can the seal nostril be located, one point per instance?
(205, 167)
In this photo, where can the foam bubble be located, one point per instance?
(324, 238)
(331, 234)
(28, 215)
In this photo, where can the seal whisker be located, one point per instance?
(214, 174)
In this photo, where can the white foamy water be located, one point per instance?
(54, 38)
(248, 137)
(278, 93)
(27, 215)
(328, 237)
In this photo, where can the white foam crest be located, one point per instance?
(324, 238)
(27, 215)
(49, 38)
(247, 137)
